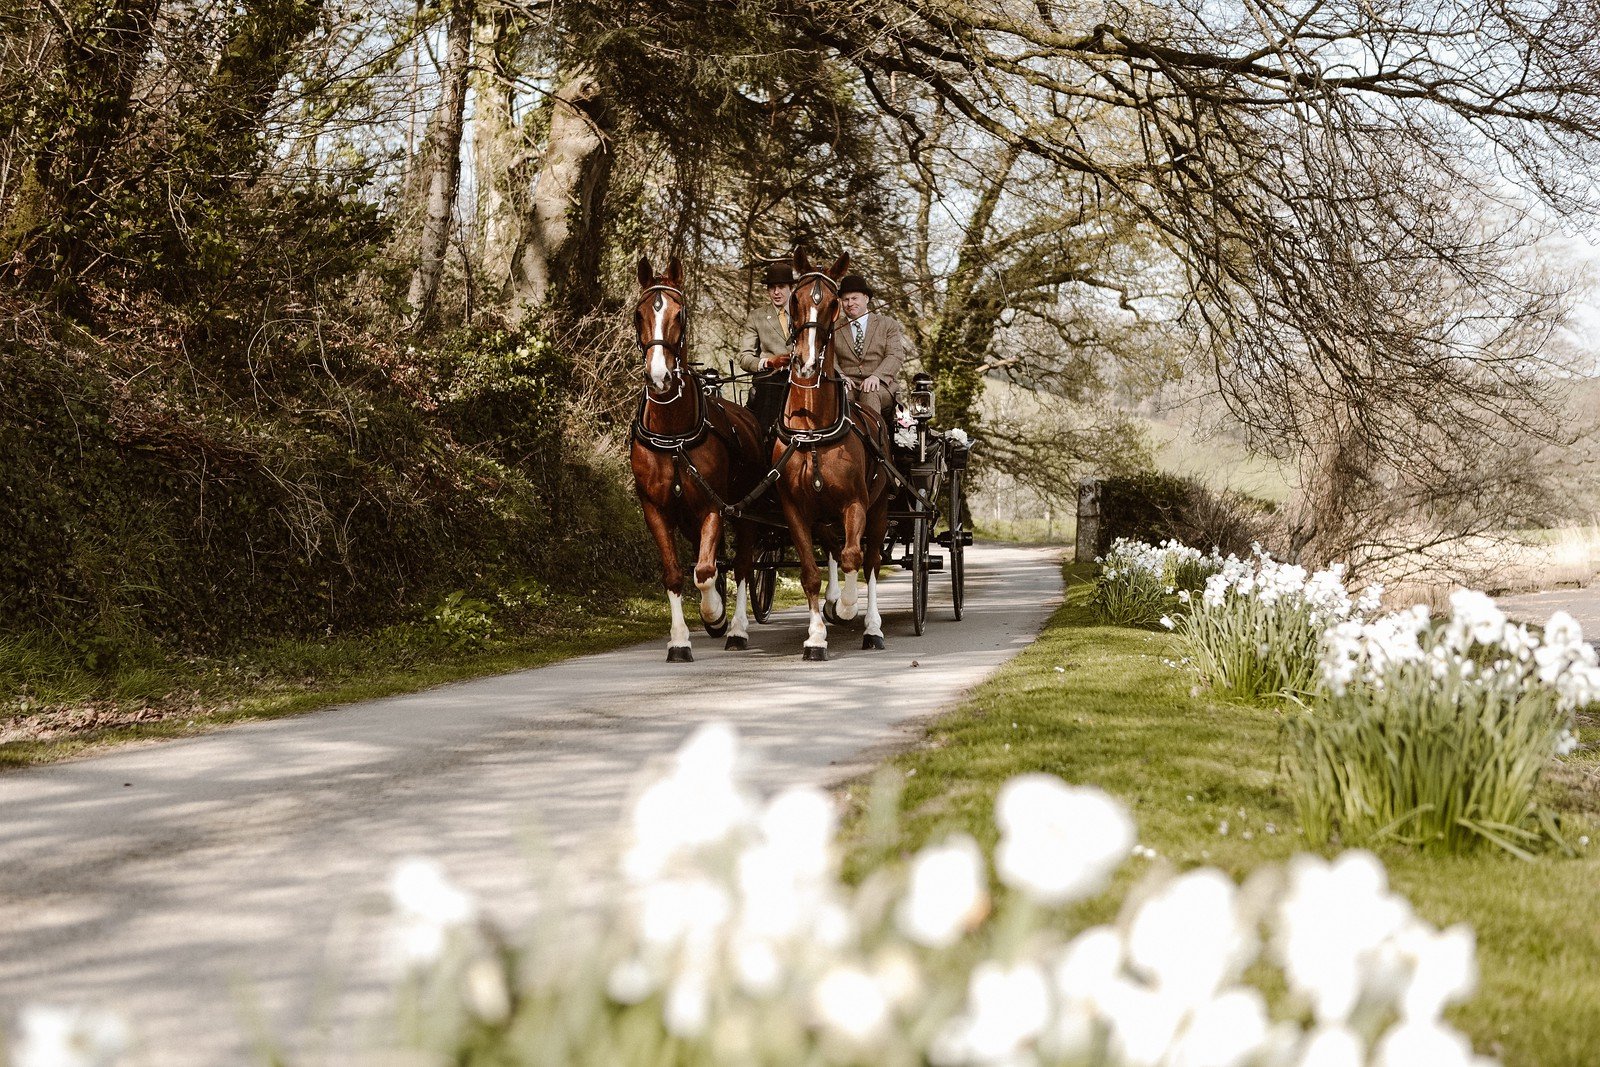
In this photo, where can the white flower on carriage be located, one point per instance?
(1058, 842)
(958, 436)
(53, 1036)
(947, 893)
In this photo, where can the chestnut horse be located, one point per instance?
(835, 491)
(690, 448)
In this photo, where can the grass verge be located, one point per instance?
(52, 707)
(1099, 705)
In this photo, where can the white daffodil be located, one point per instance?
(1333, 1045)
(1332, 916)
(53, 1036)
(1008, 1006)
(848, 1003)
(947, 893)
(1411, 1044)
(698, 804)
(1058, 842)
(1088, 964)
(1225, 1032)
(1187, 938)
(427, 907)
(687, 1008)
(1444, 969)
(800, 823)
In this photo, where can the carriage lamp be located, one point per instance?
(920, 400)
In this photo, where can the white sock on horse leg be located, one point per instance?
(680, 629)
(874, 621)
(817, 634)
(740, 626)
(833, 579)
(710, 599)
(847, 599)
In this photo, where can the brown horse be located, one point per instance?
(835, 492)
(690, 448)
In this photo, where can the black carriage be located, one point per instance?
(928, 510)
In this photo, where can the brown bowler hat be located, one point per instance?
(779, 274)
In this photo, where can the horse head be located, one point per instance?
(661, 320)
(813, 307)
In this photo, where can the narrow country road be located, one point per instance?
(222, 887)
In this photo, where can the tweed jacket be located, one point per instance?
(763, 335)
(884, 349)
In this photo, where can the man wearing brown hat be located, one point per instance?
(764, 346)
(871, 345)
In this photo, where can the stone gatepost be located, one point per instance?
(1088, 520)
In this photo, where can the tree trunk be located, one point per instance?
(439, 175)
(557, 262)
(500, 156)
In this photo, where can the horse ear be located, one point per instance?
(802, 265)
(840, 265)
(675, 272)
(647, 273)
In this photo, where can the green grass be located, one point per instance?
(42, 679)
(1118, 717)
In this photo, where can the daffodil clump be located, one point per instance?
(1437, 731)
(730, 939)
(1256, 629)
(1138, 583)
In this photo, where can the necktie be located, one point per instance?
(860, 335)
(783, 321)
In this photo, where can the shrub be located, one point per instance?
(1139, 584)
(1256, 630)
(1437, 734)
(1154, 507)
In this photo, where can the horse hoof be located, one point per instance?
(871, 642)
(830, 612)
(680, 654)
(814, 654)
(737, 644)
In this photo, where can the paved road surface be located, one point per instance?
(177, 881)
(1581, 604)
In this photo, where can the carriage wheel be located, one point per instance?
(919, 571)
(727, 608)
(958, 530)
(764, 583)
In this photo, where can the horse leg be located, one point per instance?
(877, 526)
(816, 646)
(855, 517)
(833, 594)
(672, 577)
(712, 610)
(744, 554)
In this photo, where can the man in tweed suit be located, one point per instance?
(764, 346)
(871, 346)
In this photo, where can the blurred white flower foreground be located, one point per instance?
(734, 941)
(730, 938)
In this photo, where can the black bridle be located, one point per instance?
(796, 327)
(675, 372)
